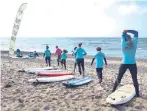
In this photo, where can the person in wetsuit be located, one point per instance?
(58, 53)
(80, 53)
(18, 53)
(129, 46)
(63, 58)
(47, 55)
(100, 58)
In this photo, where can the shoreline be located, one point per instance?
(5, 53)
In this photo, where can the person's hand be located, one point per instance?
(125, 31)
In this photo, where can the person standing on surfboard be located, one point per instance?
(63, 58)
(80, 53)
(100, 56)
(58, 53)
(73, 54)
(47, 55)
(129, 46)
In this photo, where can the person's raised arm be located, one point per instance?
(133, 32)
(124, 35)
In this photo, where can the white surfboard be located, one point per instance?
(121, 95)
(38, 70)
(52, 79)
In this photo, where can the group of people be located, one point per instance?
(129, 46)
(61, 56)
(30, 54)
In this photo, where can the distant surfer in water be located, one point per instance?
(63, 58)
(129, 46)
(47, 55)
(18, 53)
(100, 58)
(58, 53)
(73, 54)
(80, 53)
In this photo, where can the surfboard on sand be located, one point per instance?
(121, 95)
(51, 79)
(36, 69)
(54, 73)
(78, 82)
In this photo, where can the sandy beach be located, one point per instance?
(24, 96)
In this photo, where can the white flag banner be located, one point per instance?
(16, 28)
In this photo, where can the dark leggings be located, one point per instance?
(63, 62)
(48, 60)
(75, 66)
(80, 63)
(133, 71)
(58, 59)
(99, 73)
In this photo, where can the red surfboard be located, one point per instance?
(54, 73)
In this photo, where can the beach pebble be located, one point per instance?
(139, 107)
(21, 105)
(21, 100)
(35, 109)
(9, 84)
(46, 107)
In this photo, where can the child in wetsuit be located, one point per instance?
(63, 58)
(99, 62)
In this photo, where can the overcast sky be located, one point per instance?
(74, 18)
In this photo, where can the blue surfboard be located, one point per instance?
(78, 82)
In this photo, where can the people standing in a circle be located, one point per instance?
(58, 53)
(47, 55)
(80, 53)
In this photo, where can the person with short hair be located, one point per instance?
(63, 58)
(100, 58)
(47, 55)
(58, 53)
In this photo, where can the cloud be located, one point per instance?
(127, 9)
(132, 7)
